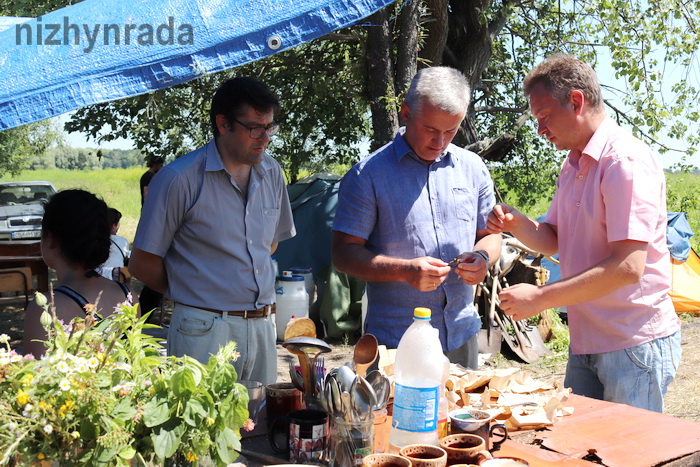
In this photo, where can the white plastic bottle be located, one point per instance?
(418, 369)
(291, 299)
(309, 283)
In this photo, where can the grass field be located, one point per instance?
(120, 189)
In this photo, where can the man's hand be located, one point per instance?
(502, 218)
(521, 301)
(472, 268)
(426, 273)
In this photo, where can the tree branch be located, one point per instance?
(619, 113)
(493, 149)
(496, 109)
(337, 36)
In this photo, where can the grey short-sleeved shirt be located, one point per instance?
(214, 244)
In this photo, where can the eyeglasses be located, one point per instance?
(257, 132)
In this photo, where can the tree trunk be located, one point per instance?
(468, 49)
(435, 31)
(385, 121)
(407, 46)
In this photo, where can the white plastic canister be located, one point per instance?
(292, 300)
(309, 283)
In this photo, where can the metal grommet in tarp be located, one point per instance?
(274, 42)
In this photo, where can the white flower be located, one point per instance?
(93, 362)
(122, 366)
(4, 338)
(64, 385)
(48, 429)
(63, 367)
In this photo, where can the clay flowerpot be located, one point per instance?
(424, 455)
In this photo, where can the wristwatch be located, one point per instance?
(484, 255)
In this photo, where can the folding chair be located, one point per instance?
(16, 285)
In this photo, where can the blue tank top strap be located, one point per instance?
(124, 288)
(75, 296)
(82, 301)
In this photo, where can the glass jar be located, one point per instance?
(351, 441)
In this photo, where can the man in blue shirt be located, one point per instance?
(405, 212)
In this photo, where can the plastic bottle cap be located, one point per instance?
(421, 313)
(294, 278)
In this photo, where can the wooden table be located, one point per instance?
(618, 435)
(23, 253)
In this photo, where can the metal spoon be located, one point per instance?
(347, 407)
(295, 377)
(335, 394)
(345, 376)
(363, 398)
(381, 386)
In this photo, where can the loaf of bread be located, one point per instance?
(300, 327)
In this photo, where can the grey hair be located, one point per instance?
(444, 87)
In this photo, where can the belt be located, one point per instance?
(246, 314)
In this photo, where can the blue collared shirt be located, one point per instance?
(407, 209)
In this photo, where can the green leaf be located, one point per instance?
(227, 445)
(156, 411)
(194, 413)
(223, 379)
(127, 453)
(233, 412)
(104, 456)
(88, 429)
(166, 438)
(183, 383)
(123, 410)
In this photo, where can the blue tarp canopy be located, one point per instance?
(97, 51)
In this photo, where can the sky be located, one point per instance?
(79, 140)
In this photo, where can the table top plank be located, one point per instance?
(538, 457)
(621, 435)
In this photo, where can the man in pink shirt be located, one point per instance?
(607, 221)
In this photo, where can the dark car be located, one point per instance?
(22, 208)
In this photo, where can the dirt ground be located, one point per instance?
(682, 399)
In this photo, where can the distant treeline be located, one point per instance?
(68, 158)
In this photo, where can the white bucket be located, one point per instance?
(309, 283)
(292, 301)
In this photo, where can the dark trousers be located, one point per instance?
(150, 300)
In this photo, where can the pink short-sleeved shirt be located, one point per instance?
(615, 190)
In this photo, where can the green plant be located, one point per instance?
(559, 344)
(104, 395)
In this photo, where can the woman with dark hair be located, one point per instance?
(75, 241)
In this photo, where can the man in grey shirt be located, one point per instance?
(211, 220)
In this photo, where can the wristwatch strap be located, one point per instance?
(484, 255)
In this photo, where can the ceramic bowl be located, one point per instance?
(469, 419)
